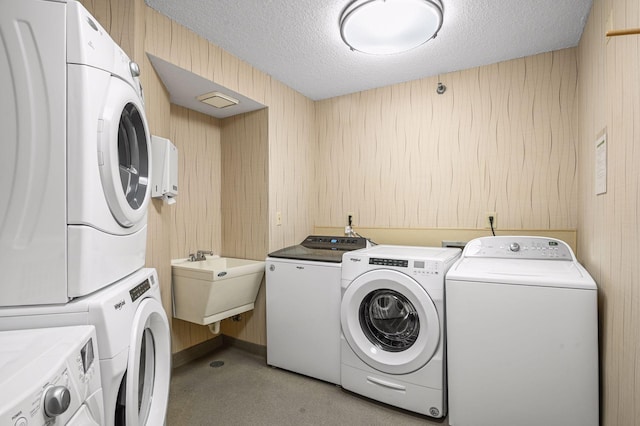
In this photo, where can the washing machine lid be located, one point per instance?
(318, 248)
(542, 273)
(534, 261)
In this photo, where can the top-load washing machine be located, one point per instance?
(303, 305)
(76, 159)
(393, 325)
(522, 332)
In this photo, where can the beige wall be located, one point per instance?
(500, 139)
(609, 224)
(245, 188)
(196, 219)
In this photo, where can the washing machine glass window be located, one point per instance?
(389, 320)
(125, 147)
(133, 156)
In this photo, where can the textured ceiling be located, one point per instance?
(298, 42)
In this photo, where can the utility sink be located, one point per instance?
(208, 291)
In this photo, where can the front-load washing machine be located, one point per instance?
(522, 330)
(393, 331)
(76, 159)
(49, 377)
(133, 340)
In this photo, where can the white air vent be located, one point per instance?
(217, 99)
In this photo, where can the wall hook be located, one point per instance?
(441, 88)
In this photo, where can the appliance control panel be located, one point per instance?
(413, 267)
(519, 248)
(334, 243)
(53, 370)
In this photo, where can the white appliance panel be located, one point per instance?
(33, 162)
(304, 336)
(58, 120)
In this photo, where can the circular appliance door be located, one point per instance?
(144, 391)
(390, 321)
(125, 154)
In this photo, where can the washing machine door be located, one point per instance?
(390, 321)
(144, 392)
(125, 154)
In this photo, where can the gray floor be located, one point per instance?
(245, 391)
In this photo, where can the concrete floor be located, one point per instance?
(245, 391)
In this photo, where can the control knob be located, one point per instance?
(56, 400)
(514, 247)
(134, 68)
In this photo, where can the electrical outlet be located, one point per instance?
(487, 223)
(278, 218)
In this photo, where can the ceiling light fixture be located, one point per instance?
(384, 27)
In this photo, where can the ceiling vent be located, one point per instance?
(218, 100)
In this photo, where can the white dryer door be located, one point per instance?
(390, 321)
(146, 391)
(125, 154)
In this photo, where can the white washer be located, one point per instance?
(303, 305)
(522, 330)
(76, 162)
(392, 316)
(49, 376)
(133, 340)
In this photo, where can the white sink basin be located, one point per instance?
(215, 268)
(207, 291)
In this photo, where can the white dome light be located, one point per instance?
(384, 27)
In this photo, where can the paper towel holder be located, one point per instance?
(164, 176)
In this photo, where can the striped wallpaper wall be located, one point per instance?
(244, 203)
(500, 139)
(609, 224)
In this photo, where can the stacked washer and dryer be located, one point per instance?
(73, 221)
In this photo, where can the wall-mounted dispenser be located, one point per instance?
(164, 181)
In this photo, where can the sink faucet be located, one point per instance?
(200, 255)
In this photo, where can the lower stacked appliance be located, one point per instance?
(133, 340)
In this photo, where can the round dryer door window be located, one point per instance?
(125, 148)
(390, 321)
